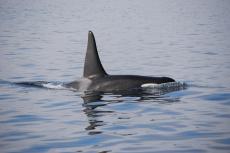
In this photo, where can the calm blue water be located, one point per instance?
(46, 41)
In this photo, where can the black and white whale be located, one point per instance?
(96, 79)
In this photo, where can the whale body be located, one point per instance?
(95, 78)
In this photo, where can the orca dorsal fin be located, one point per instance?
(93, 66)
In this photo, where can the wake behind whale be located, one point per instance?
(43, 84)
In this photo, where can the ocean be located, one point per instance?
(46, 41)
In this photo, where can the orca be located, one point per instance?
(96, 79)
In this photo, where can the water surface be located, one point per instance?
(46, 41)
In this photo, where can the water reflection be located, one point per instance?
(91, 102)
(97, 106)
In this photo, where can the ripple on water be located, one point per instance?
(19, 136)
(6, 96)
(216, 97)
(24, 119)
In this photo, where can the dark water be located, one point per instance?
(46, 41)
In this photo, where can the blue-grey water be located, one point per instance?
(46, 41)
